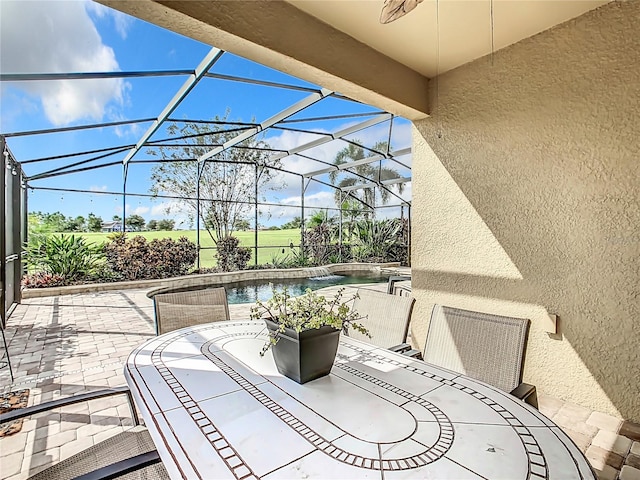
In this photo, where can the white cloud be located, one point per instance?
(140, 210)
(133, 130)
(284, 212)
(96, 188)
(121, 21)
(161, 209)
(327, 152)
(66, 41)
(179, 212)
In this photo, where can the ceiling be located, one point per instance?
(439, 35)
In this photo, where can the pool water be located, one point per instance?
(250, 291)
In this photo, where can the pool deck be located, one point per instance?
(63, 345)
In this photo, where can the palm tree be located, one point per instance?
(366, 173)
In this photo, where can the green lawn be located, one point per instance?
(276, 239)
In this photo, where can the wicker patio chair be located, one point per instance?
(387, 317)
(487, 347)
(193, 307)
(127, 455)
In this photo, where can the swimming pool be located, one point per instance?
(249, 291)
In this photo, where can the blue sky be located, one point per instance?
(81, 36)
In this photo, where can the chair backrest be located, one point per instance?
(388, 317)
(393, 279)
(193, 307)
(487, 347)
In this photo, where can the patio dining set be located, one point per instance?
(213, 407)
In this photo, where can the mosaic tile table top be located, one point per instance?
(216, 409)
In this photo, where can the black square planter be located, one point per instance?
(307, 355)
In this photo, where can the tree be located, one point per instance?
(364, 173)
(166, 224)
(242, 224)
(352, 211)
(116, 218)
(50, 222)
(227, 180)
(320, 217)
(94, 224)
(295, 223)
(75, 224)
(136, 222)
(152, 225)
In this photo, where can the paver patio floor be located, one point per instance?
(63, 345)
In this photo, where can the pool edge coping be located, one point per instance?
(201, 279)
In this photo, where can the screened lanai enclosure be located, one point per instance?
(306, 152)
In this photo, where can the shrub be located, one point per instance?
(231, 256)
(137, 259)
(66, 255)
(42, 280)
(374, 240)
(317, 243)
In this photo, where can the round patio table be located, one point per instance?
(216, 409)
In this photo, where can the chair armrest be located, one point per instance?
(413, 353)
(403, 347)
(396, 278)
(527, 393)
(18, 413)
(121, 468)
(406, 350)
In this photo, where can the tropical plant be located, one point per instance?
(362, 174)
(66, 255)
(320, 217)
(279, 262)
(399, 251)
(299, 258)
(317, 242)
(306, 312)
(352, 211)
(373, 239)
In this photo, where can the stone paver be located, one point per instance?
(64, 345)
(604, 422)
(573, 413)
(629, 473)
(599, 457)
(630, 430)
(612, 442)
(633, 460)
(11, 464)
(607, 473)
(549, 405)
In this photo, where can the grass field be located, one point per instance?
(273, 241)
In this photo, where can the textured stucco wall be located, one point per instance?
(526, 201)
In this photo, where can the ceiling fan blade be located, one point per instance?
(394, 9)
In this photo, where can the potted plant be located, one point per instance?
(304, 331)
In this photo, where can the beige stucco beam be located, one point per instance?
(276, 34)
